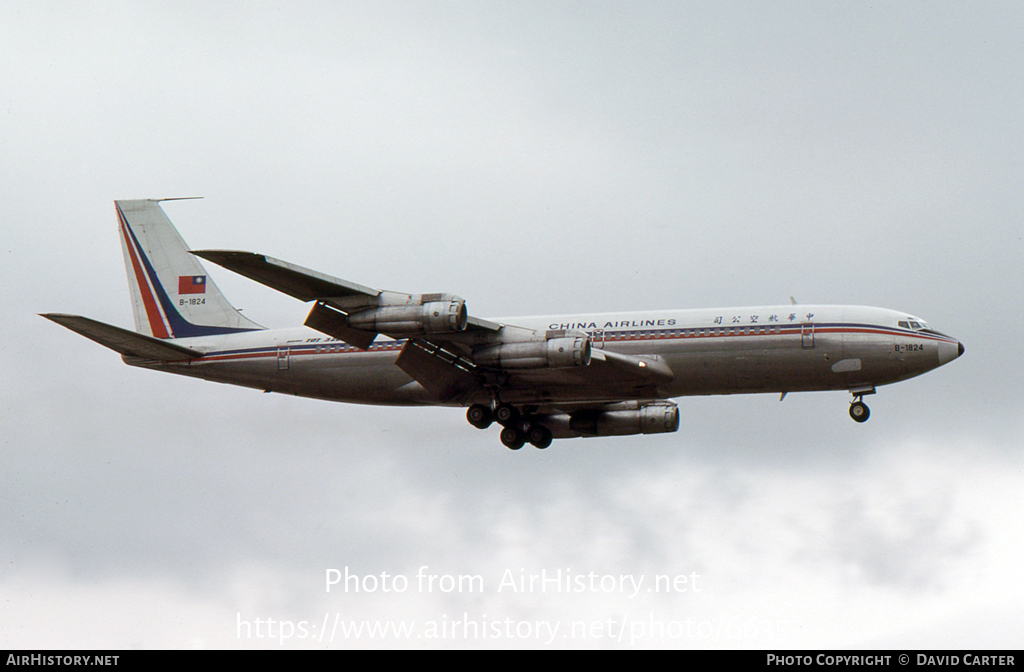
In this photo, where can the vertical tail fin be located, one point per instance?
(172, 296)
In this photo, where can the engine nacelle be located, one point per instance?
(554, 353)
(429, 317)
(657, 417)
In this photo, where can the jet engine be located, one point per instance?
(554, 353)
(621, 419)
(447, 314)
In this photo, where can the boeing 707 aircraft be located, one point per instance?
(539, 378)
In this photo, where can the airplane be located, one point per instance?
(540, 378)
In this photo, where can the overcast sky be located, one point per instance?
(533, 158)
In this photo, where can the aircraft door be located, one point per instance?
(282, 359)
(807, 335)
(597, 338)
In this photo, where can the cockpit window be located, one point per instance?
(917, 325)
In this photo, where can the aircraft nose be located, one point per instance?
(948, 351)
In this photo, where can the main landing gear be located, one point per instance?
(517, 429)
(480, 416)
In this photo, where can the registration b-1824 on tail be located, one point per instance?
(539, 378)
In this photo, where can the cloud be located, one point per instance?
(771, 557)
(534, 160)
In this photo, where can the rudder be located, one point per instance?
(172, 295)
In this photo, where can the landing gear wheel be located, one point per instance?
(480, 416)
(512, 438)
(540, 436)
(506, 415)
(859, 411)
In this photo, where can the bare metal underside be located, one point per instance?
(539, 377)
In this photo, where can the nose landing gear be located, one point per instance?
(859, 411)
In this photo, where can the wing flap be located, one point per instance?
(333, 322)
(646, 367)
(443, 374)
(123, 341)
(477, 323)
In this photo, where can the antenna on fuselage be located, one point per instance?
(792, 301)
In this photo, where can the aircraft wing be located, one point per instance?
(336, 299)
(302, 283)
(448, 352)
(440, 335)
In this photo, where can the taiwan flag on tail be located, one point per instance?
(191, 284)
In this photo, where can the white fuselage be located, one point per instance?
(784, 348)
(540, 378)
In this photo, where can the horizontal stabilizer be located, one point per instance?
(123, 341)
(302, 283)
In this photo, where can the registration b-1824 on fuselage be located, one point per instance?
(540, 378)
